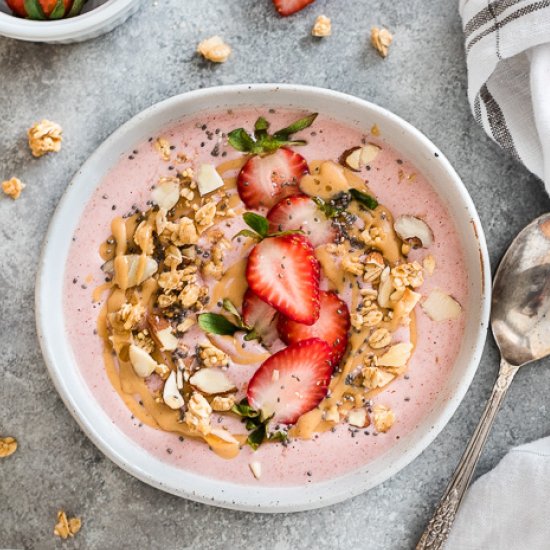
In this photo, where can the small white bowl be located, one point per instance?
(97, 18)
(128, 454)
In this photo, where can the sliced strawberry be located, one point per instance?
(332, 326)
(284, 272)
(291, 382)
(288, 7)
(300, 212)
(263, 181)
(261, 317)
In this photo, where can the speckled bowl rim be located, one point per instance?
(87, 25)
(134, 459)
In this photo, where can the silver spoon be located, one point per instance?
(520, 320)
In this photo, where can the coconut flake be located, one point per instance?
(208, 179)
(414, 231)
(396, 356)
(439, 306)
(166, 194)
(256, 469)
(171, 395)
(211, 381)
(130, 265)
(143, 364)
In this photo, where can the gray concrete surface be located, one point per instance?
(91, 89)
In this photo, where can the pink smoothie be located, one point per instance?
(329, 454)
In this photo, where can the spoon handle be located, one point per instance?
(440, 524)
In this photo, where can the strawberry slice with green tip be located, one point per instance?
(284, 272)
(288, 7)
(291, 382)
(261, 318)
(332, 326)
(263, 181)
(300, 212)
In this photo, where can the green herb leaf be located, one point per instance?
(297, 126)
(328, 210)
(367, 200)
(260, 128)
(248, 234)
(244, 409)
(256, 438)
(257, 223)
(252, 335)
(277, 436)
(228, 306)
(240, 140)
(261, 143)
(217, 324)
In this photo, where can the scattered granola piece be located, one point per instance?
(162, 145)
(383, 418)
(204, 216)
(44, 137)
(358, 418)
(189, 296)
(381, 40)
(352, 264)
(375, 130)
(222, 404)
(198, 414)
(13, 187)
(256, 469)
(211, 356)
(8, 446)
(131, 315)
(322, 27)
(373, 377)
(66, 528)
(214, 49)
(380, 338)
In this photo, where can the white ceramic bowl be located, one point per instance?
(98, 426)
(97, 18)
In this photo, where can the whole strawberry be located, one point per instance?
(45, 9)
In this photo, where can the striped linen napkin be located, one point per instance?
(508, 55)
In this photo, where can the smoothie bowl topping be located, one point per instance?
(266, 298)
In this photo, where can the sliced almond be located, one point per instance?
(396, 356)
(168, 341)
(256, 469)
(358, 157)
(132, 269)
(385, 288)
(167, 194)
(439, 306)
(357, 417)
(368, 153)
(211, 381)
(414, 231)
(224, 435)
(185, 325)
(352, 158)
(144, 365)
(208, 179)
(170, 394)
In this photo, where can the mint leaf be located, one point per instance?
(217, 324)
(257, 223)
(256, 438)
(297, 126)
(261, 143)
(244, 409)
(277, 436)
(228, 306)
(247, 233)
(260, 128)
(365, 199)
(328, 210)
(240, 140)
